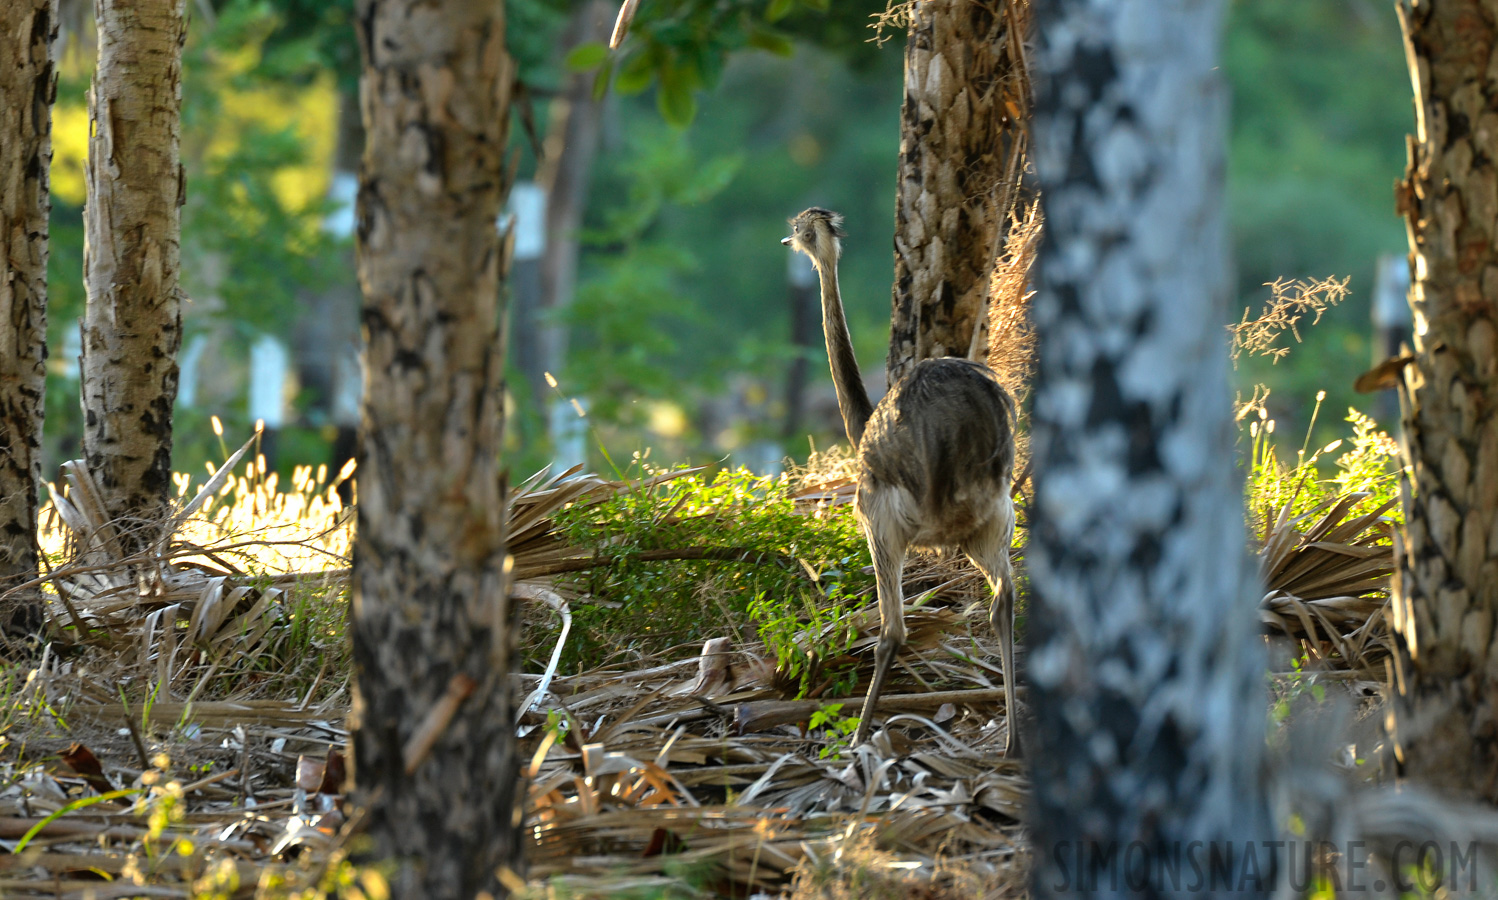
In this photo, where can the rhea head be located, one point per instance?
(817, 233)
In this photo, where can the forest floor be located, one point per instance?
(183, 733)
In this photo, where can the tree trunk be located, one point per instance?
(28, 86)
(432, 722)
(1447, 593)
(571, 145)
(132, 236)
(1146, 680)
(961, 144)
(326, 340)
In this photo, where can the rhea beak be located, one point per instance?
(786, 241)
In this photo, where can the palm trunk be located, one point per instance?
(1447, 596)
(433, 720)
(132, 233)
(961, 144)
(28, 86)
(1146, 680)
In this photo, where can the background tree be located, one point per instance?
(433, 730)
(28, 86)
(133, 324)
(961, 155)
(572, 140)
(1145, 682)
(1446, 598)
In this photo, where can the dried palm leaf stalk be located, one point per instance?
(1327, 574)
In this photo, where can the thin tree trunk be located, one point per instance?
(132, 234)
(1447, 595)
(327, 331)
(961, 142)
(433, 728)
(1146, 680)
(571, 145)
(28, 87)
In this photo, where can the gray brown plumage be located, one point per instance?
(935, 466)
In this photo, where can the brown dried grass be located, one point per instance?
(699, 772)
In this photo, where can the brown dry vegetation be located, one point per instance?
(208, 680)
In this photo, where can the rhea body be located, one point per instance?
(935, 467)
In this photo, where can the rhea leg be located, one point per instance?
(990, 553)
(888, 550)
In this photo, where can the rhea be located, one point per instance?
(935, 467)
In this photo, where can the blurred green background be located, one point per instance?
(725, 119)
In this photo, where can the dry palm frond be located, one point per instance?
(1327, 574)
(698, 764)
(648, 778)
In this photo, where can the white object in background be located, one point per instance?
(72, 349)
(569, 434)
(343, 192)
(348, 386)
(187, 378)
(761, 457)
(526, 213)
(1391, 289)
(269, 363)
(799, 270)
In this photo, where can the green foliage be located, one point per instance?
(803, 637)
(248, 253)
(838, 729)
(242, 240)
(805, 565)
(1312, 159)
(1369, 462)
(630, 307)
(680, 46)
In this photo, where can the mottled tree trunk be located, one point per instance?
(961, 144)
(132, 233)
(433, 729)
(28, 86)
(1146, 678)
(1447, 596)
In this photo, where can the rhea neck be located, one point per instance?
(852, 397)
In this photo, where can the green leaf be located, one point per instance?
(778, 10)
(676, 98)
(677, 103)
(601, 80)
(709, 179)
(818, 5)
(765, 39)
(587, 56)
(636, 74)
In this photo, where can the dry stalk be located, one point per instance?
(1289, 302)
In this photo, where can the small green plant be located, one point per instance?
(839, 729)
(805, 640)
(1290, 688)
(684, 560)
(1367, 464)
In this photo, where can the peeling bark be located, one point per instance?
(1146, 678)
(1447, 592)
(430, 618)
(961, 144)
(132, 258)
(28, 87)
